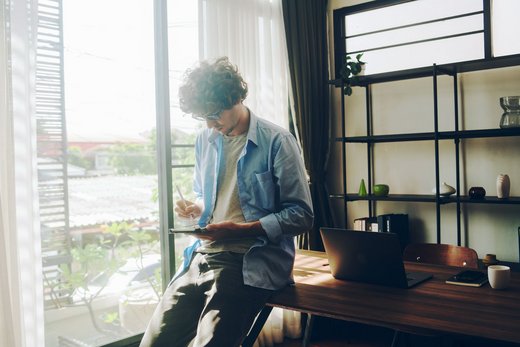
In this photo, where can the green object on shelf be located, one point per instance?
(381, 189)
(362, 188)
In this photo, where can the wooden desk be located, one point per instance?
(433, 305)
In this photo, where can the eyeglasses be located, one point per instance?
(207, 116)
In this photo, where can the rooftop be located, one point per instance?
(108, 199)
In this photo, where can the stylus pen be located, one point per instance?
(181, 196)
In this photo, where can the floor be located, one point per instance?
(331, 343)
(358, 335)
(330, 333)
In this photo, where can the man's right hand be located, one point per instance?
(187, 209)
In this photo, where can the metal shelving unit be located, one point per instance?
(456, 136)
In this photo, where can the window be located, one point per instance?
(183, 46)
(97, 170)
(103, 231)
(504, 31)
(421, 33)
(98, 181)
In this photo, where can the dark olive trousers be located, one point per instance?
(209, 305)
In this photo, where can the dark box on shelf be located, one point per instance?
(395, 223)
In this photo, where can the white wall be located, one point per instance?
(408, 167)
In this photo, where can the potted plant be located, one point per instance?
(349, 72)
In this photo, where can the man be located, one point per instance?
(252, 197)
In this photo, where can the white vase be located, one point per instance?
(444, 189)
(503, 185)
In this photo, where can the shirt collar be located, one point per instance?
(253, 128)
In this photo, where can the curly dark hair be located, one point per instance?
(212, 87)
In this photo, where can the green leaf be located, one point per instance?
(110, 317)
(351, 67)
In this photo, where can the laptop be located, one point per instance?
(369, 257)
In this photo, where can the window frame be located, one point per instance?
(164, 154)
(340, 35)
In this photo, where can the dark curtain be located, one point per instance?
(306, 33)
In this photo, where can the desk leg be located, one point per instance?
(308, 330)
(250, 339)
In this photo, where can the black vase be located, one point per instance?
(477, 193)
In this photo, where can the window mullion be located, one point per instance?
(162, 93)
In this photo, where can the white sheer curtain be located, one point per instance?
(251, 33)
(21, 297)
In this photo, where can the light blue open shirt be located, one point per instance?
(272, 188)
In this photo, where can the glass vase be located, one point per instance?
(511, 116)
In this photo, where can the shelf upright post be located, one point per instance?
(519, 243)
(368, 101)
(436, 133)
(488, 52)
(457, 150)
(344, 154)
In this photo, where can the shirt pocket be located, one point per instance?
(264, 190)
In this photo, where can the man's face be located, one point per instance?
(226, 123)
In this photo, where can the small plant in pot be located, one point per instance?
(349, 72)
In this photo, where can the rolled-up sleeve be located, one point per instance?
(295, 214)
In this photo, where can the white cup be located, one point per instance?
(499, 276)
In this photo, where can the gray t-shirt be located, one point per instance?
(227, 205)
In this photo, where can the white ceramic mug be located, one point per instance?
(499, 276)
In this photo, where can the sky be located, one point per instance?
(109, 66)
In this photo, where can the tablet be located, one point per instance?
(188, 230)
